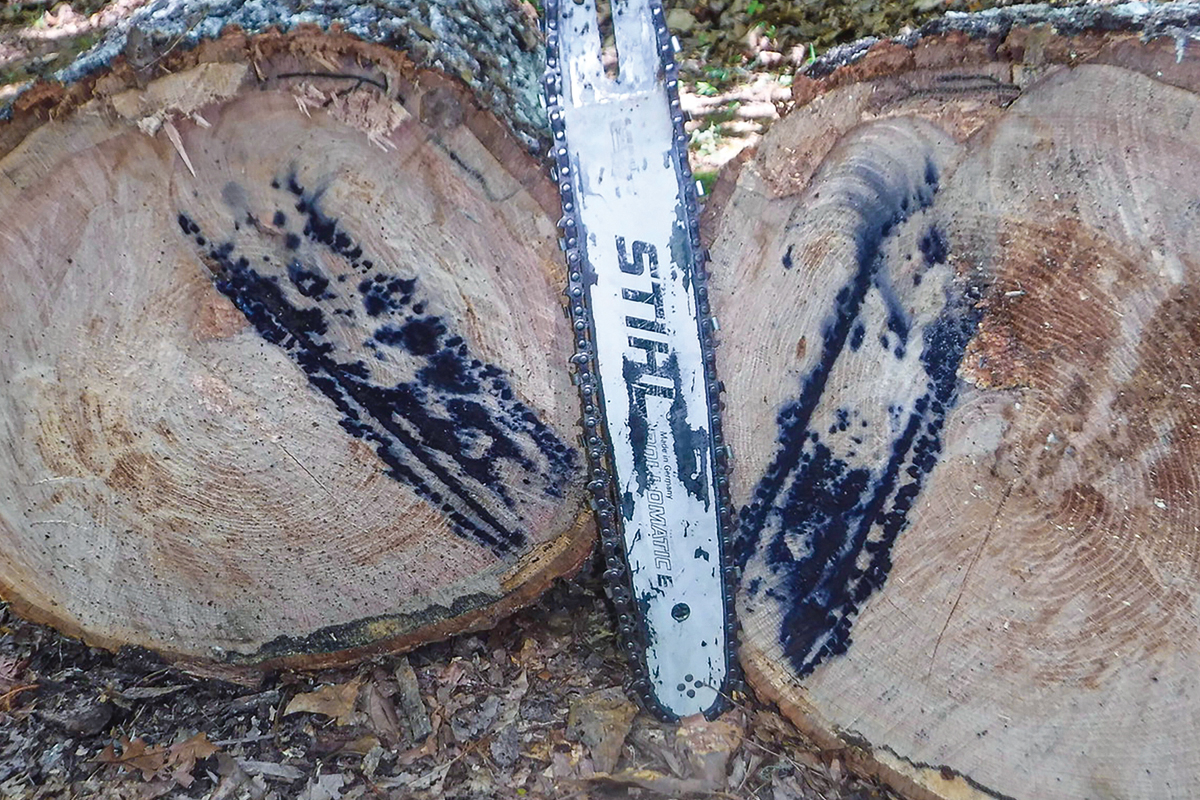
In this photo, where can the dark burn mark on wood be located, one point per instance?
(188, 227)
(898, 322)
(823, 518)
(856, 336)
(454, 431)
(381, 293)
(420, 336)
(309, 282)
(933, 246)
(934, 250)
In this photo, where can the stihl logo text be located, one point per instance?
(650, 371)
(647, 351)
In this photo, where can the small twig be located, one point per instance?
(359, 79)
(244, 740)
(793, 764)
(752, 764)
(6, 698)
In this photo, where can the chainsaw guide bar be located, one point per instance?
(645, 360)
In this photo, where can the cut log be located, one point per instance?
(962, 278)
(285, 359)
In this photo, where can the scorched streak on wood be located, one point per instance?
(816, 537)
(454, 431)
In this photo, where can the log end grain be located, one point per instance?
(962, 280)
(285, 371)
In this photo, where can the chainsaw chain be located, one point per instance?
(618, 581)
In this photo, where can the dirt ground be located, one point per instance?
(533, 708)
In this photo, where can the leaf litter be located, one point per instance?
(533, 708)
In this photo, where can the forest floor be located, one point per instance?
(533, 708)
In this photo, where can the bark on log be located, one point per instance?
(285, 359)
(963, 277)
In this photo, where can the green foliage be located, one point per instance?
(717, 74)
(723, 115)
(22, 14)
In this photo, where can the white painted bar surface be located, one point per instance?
(638, 271)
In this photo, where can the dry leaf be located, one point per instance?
(234, 781)
(432, 781)
(452, 673)
(136, 754)
(362, 745)
(6, 699)
(336, 702)
(151, 760)
(10, 671)
(383, 715)
(182, 757)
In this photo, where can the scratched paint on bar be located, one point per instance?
(629, 226)
(454, 431)
(816, 537)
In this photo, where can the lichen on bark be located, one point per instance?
(492, 45)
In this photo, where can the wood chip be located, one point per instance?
(708, 745)
(176, 142)
(148, 692)
(412, 709)
(269, 769)
(601, 720)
